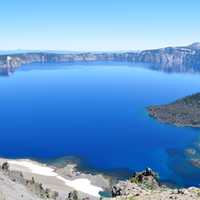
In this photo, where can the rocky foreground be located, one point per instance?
(18, 183)
(30, 180)
(145, 186)
(183, 112)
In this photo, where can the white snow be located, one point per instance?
(79, 184)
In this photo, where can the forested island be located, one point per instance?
(183, 112)
(27, 179)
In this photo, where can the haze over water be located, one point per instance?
(97, 112)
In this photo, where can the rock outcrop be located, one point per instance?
(145, 186)
(146, 179)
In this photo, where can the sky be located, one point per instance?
(98, 25)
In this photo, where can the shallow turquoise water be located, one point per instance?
(97, 112)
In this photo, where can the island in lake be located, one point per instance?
(183, 112)
(83, 85)
(27, 179)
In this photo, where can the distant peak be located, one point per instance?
(195, 45)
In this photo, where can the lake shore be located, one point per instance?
(28, 179)
(62, 180)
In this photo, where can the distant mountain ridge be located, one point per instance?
(186, 58)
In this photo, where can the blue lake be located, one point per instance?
(97, 112)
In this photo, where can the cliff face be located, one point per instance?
(173, 58)
(13, 61)
(167, 59)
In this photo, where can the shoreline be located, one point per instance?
(80, 165)
(76, 167)
(37, 181)
(153, 114)
(67, 176)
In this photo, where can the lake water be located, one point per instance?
(97, 112)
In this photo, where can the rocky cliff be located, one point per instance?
(167, 59)
(172, 58)
(145, 186)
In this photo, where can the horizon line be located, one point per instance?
(90, 50)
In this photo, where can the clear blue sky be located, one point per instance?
(98, 24)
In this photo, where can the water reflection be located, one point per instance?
(175, 69)
(6, 71)
(70, 65)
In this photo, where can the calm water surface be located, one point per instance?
(97, 112)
